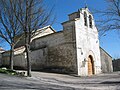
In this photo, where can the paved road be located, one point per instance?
(51, 81)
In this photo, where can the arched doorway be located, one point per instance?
(90, 65)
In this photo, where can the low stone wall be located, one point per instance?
(5, 59)
(19, 60)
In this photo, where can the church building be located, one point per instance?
(74, 50)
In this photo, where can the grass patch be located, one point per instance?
(8, 71)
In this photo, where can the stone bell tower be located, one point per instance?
(85, 35)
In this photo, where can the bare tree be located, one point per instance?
(32, 15)
(9, 27)
(110, 17)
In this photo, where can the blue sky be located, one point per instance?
(62, 8)
(110, 42)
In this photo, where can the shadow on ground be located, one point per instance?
(111, 82)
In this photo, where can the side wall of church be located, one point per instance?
(54, 52)
(106, 61)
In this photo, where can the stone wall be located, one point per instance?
(116, 65)
(39, 59)
(19, 60)
(51, 53)
(55, 52)
(106, 61)
(62, 57)
(5, 59)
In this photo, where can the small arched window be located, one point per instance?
(85, 18)
(90, 21)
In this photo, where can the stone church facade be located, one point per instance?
(74, 50)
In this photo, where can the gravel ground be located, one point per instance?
(52, 81)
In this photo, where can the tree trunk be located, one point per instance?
(11, 56)
(28, 60)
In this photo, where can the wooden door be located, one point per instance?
(90, 66)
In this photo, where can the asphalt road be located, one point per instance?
(52, 81)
